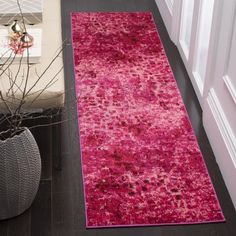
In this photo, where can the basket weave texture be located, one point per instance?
(20, 170)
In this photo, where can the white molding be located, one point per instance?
(184, 48)
(230, 38)
(166, 14)
(213, 48)
(230, 87)
(170, 14)
(198, 80)
(169, 5)
(175, 25)
(197, 84)
(223, 124)
(188, 54)
(222, 140)
(194, 34)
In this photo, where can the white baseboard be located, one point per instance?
(230, 87)
(222, 140)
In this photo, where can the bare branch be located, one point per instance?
(11, 131)
(21, 13)
(51, 124)
(56, 96)
(51, 82)
(6, 63)
(18, 86)
(4, 119)
(5, 103)
(47, 68)
(36, 72)
(17, 73)
(9, 49)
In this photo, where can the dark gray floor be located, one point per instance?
(58, 208)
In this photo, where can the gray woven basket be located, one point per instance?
(20, 170)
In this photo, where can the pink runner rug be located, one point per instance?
(141, 162)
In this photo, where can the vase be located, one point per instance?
(26, 40)
(15, 30)
(16, 27)
(20, 171)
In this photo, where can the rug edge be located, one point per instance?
(155, 225)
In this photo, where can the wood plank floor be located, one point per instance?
(58, 208)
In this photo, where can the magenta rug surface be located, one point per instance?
(140, 159)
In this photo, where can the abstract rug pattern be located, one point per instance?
(140, 159)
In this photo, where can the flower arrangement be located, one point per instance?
(19, 38)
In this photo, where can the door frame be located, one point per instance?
(171, 18)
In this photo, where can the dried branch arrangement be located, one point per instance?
(17, 101)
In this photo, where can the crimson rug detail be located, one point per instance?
(140, 159)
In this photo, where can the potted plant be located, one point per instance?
(20, 163)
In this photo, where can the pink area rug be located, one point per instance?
(141, 162)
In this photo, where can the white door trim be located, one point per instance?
(222, 140)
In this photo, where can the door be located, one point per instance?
(193, 42)
(219, 110)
